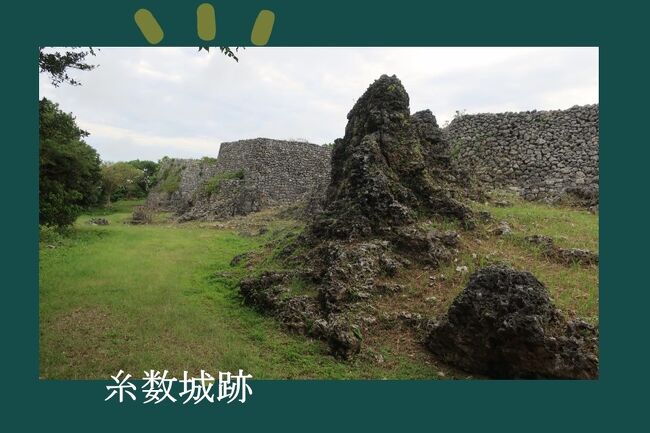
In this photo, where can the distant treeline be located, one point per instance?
(72, 176)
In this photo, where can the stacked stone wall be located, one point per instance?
(543, 154)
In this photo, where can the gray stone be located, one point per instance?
(252, 175)
(504, 325)
(542, 152)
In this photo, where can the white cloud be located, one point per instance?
(194, 144)
(145, 69)
(150, 102)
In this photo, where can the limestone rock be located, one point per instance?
(504, 325)
(502, 229)
(380, 177)
(389, 172)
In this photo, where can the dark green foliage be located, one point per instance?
(69, 178)
(226, 51)
(213, 184)
(56, 64)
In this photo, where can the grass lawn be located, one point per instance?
(163, 295)
(160, 297)
(574, 288)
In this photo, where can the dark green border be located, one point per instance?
(616, 399)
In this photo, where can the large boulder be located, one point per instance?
(504, 325)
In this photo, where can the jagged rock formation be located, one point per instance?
(390, 173)
(384, 168)
(504, 325)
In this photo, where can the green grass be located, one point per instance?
(570, 228)
(163, 296)
(574, 288)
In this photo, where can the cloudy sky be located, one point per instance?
(150, 102)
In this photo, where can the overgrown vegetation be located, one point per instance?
(212, 185)
(169, 179)
(574, 288)
(208, 160)
(69, 177)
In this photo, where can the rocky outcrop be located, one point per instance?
(504, 325)
(390, 173)
(546, 155)
(387, 169)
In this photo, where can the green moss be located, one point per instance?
(169, 179)
(454, 151)
(208, 160)
(212, 185)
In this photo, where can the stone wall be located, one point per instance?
(247, 176)
(281, 170)
(192, 174)
(543, 154)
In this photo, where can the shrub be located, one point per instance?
(213, 184)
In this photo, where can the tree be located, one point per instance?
(122, 177)
(57, 64)
(69, 169)
(226, 51)
(150, 171)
